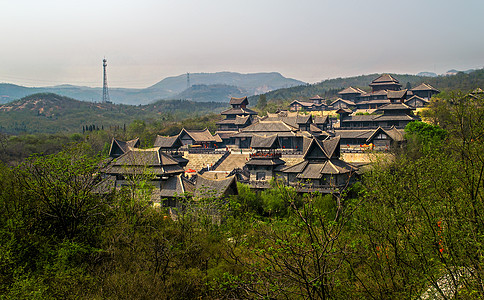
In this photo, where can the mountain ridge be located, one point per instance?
(166, 89)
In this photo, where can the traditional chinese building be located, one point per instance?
(321, 170)
(265, 161)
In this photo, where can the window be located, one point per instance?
(260, 176)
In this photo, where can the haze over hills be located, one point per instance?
(168, 88)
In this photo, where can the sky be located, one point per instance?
(52, 42)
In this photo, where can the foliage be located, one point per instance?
(51, 113)
(413, 224)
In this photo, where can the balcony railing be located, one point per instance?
(266, 155)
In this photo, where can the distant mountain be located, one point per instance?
(51, 113)
(255, 83)
(168, 88)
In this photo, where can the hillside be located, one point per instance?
(52, 113)
(212, 92)
(168, 88)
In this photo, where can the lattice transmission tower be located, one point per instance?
(105, 82)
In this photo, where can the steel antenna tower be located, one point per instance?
(188, 81)
(105, 82)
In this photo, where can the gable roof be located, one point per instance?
(119, 147)
(329, 148)
(321, 119)
(297, 168)
(239, 101)
(217, 138)
(416, 98)
(396, 94)
(168, 141)
(140, 161)
(425, 87)
(394, 106)
(207, 188)
(351, 90)
(344, 111)
(291, 119)
(269, 126)
(200, 136)
(302, 103)
(395, 134)
(262, 142)
(316, 97)
(175, 186)
(348, 102)
(384, 79)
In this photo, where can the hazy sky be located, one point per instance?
(50, 42)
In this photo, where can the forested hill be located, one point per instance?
(52, 113)
(464, 81)
(212, 92)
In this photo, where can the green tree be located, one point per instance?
(262, 102)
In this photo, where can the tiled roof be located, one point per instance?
(394, 133)
(123, 146)
(316, 170)
(425, 87)
(238, 101)
(395, 118)
(226, 134)
(394, 106)
(269, 126)
(302, 103)
(321, 119)
(217, 138)
(141, 161)
(344, 111)
(199, 135)
(265, 162)
(311, 171)
(385, 78)
(415, 98)
(396, 94)
(206, 188)
(316, 97)
(381, 101)
(360, 118)
(354, 134)
(328, 147)
(348, 102)
(377, 93)
(167, 141)
(262, 142)
(172, 187)
(297, 168)
(351, 90)
(293, 120)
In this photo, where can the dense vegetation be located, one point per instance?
(51, 113)
(412, 222)
(16, 148)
